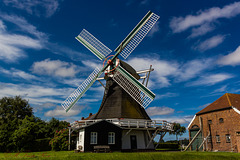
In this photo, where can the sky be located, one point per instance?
(194, 49)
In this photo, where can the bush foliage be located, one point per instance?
(60, 140)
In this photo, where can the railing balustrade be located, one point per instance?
(130, 123)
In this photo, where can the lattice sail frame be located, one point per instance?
(133, 87)
(93, 44)
(78, 93)
(137, 34)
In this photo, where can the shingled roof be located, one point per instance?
(228, 100)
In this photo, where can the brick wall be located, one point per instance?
(219, 130)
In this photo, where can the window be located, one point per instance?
(111, 138)
(238, 133)
(218, 139)
(209, 121)
(80, 138)
(93, 139)
(220, 120)
(209, 139)
(228, 138)
(195, 126)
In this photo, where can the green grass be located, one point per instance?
(70, 155)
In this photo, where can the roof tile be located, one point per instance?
(224, 102)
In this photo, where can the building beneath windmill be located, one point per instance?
(121, 124)
(217, 127)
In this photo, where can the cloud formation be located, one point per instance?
(231, 59)
(55, 68)
(13, 45)
(210, 43)
(44, 8)
(36, 94)
(201, 30)
(180, 24)
(15, 73)
(153, 111)
(210, 79)
(60, 112)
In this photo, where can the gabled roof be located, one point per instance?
(228, 100)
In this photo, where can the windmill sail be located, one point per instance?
(93, 44)
(137, 34)
(78, 93)
(133, 87)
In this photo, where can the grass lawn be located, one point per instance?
(70, 155)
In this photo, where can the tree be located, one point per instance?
(12, 111)
(177, 130)
(25, 134)
(20, 130)
(55, 125)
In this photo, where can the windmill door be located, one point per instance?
(133, 141)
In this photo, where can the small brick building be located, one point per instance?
(217, 127)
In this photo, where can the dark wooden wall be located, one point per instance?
(102, 128)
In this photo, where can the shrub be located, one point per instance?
(168, 146)
(60, 140)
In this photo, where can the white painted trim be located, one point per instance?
(236, 110)
(191, 121)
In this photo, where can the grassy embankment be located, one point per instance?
(70, 155)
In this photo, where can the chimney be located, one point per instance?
(82, 118)
(90, 114)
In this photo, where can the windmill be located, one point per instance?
(121, 122)
(112, 68)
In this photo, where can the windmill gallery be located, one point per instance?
(121, 122)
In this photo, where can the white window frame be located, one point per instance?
(93, 138)
(228, 138)
(111, 137)
(218, 139)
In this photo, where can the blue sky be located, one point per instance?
(194, 49)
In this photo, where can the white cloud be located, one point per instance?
(179, 24)
(166, 71)
(10, 53)
(174, 119)
(210, 79)
(154, 30)
(153, 111)
(162, 69)
(15, 73)
(166, 95)
(221, 89)
(35, 94)
(210, 43)
(37, 7)
(2, 26)
(201, 30)
(232, 59)
(144, 2)
(60, 112)
(13, 45)
(93, 64)
(24, 26)
(193, 68)
(55, 68)
(75, 82)
(20, 41)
